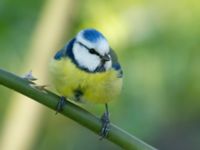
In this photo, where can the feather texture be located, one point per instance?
(87, 69)
(95, 87)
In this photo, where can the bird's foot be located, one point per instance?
(105, 125)
(60, 104)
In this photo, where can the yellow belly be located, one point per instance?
(96, 87)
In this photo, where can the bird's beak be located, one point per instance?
(106, 57)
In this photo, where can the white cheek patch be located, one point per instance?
(84, 58)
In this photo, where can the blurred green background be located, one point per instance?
(158, 44)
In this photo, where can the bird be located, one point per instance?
(87, 69)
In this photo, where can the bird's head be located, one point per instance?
(91, 51)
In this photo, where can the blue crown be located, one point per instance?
(92, 35)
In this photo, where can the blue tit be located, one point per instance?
(87, 69)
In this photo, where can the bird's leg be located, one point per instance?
(105, 123)
(60, 104)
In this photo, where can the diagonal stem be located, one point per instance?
(76, 113)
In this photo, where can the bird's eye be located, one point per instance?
(92, 51)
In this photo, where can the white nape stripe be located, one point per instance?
(108, 65)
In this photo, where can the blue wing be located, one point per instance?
(115, 64)
(66, 51)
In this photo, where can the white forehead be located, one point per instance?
(93, 39)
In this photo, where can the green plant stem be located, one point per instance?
(76, 113)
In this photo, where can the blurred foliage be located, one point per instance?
(158, 45)
(17, 20)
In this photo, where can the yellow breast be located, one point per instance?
(95, 87)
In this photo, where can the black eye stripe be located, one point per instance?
(82, 45)
(91, 50)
